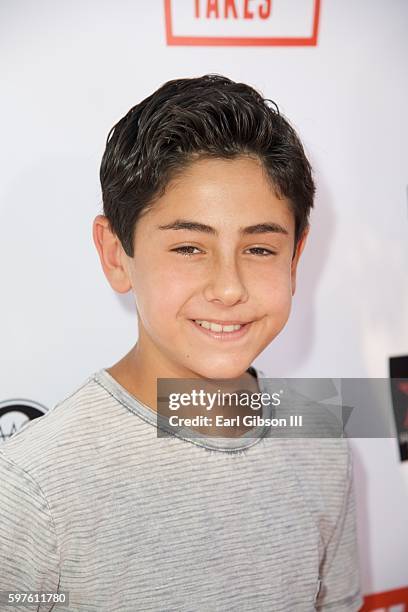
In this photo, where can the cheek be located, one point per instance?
(275, 294)
(159, 294)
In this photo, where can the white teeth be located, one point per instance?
(216, 327)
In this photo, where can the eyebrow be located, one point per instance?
(259, 228)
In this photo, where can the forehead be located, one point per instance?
(224, 192)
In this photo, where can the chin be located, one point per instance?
(222, 370)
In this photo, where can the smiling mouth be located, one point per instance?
(226, 331)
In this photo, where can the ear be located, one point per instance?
(111, 255)
(299, 249)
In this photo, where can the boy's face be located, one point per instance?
(227, 274)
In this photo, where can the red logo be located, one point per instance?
(242, 22)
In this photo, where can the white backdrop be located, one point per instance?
(71, 69)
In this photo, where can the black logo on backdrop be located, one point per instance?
(399, 390)
(16, 413)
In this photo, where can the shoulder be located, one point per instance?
(319, 457)
(322, 463)
(323, 468)
(42, 444)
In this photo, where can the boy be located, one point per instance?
(206, 192)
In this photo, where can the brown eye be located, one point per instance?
(186, 250)
(265, 252)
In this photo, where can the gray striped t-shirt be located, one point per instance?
(95, 504)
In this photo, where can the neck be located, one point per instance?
(139, 370)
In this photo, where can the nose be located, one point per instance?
(226, 283)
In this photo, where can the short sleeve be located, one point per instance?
(340, 589)
(28, 544)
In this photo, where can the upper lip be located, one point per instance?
(222, 322)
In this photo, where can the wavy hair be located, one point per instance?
(192, 118)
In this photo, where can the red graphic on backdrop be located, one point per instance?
(386, 601)
(231, 8)
(247, 22)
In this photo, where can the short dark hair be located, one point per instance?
(192, 118)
